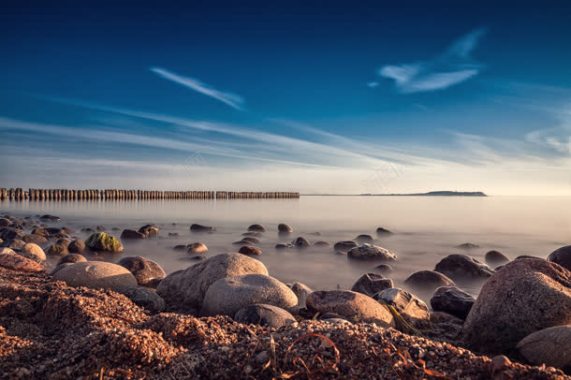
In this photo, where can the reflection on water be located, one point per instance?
(426, 229)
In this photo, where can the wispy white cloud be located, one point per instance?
(232, 100)
(450, 68)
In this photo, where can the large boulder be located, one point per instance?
(452, 300)
(97, 275)
(561, 256)
(185, 289)
(34, 252)
(526, 295)
(11, 260)
(371, 252)
(353, 306)
(372, 283)
(264, 315)
(551, 346)
(145, 271)
(230, 294)
(407, 304)
(427, 280)
(103, 242)
(463, 268)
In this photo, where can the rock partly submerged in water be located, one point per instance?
(353, 306)
(132, 235)
(301, 243)
(427, 280)
(229, 294)
(363, 238)
(256, 228)
(372, 283)
(104, 242)
(452, 300)
(250, 250)
(551, 346)
(344, 246)
(185, 289)
(284, 229)
(495, 258)
(71, 259)
(463, 268)
(146, 271)
(371, 252)
(525, 296)
(201, 228)
(76, 246)
(59, 248)
(197, 248)
(150, 230)
(97, 275)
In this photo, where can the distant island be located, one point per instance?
(444, 193)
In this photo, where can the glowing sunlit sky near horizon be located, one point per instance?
(309, 96)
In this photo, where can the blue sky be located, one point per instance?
(311, 96)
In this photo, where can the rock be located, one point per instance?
(4, 222)
(252, 233)
(384, 268)
(561, 256)
(495, 258)
(284, 229)
(76, 246)
(407, 304)
(372, 283)
(186, 288)
(59, 248)
(146, 298)
(10, 233)
(34, 252)
(36, 239)
(102, 241)
(264, 315)
(452, 300)
(17, 244)
(256, 228)
(228, 295)
(72, 258)
(321, 243)
(283, 246)
(445, 326)
(180, 247)
(353, 306)
(247, 240)
(468, 246)
(427, 280)
(344, 246)
(11, 260)
(550, 346)
(525, 296)
(364, 239)
(173, 234)
(149, 230)
(250, 250)
(132, 235)
(500, 363)
(197, 248)
(100, 228)
(301, 291)
(144, 270)
(301, 243)
(463, 268)
(371, 252)
(382, 232)
(201, 228)
(50, 218)
(97, 275)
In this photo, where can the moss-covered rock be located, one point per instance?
(102, 241)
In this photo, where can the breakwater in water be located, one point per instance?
(20, 194)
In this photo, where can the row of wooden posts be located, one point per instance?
(115, 194)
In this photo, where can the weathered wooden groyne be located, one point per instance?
(20, 194)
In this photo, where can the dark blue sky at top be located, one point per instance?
(305, 61)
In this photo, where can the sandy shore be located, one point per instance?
(51, 330)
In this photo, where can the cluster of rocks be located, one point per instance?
(523, 309)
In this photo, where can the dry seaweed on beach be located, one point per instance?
(49, 330)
